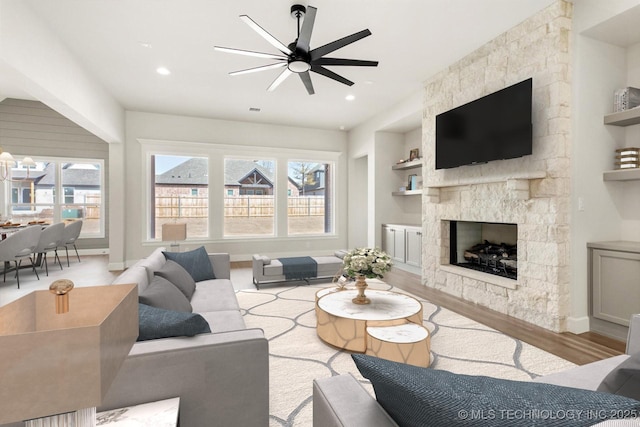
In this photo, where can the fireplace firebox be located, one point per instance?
(485, 246)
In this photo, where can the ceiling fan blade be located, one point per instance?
(335, 45)
(249, 53)
(306, 79)
(261, 68)
(307, 28)
(285, 73)
(268, 37)
(339, 61)
(328, 73)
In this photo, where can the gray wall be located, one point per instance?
(32, 128)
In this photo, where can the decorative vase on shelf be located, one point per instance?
(361, 285)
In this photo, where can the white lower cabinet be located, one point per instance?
(403, 243)
(413, 246)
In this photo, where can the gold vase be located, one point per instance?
(361, 285)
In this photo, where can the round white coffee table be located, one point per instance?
(343, 324)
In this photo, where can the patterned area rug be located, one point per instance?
(297, 355)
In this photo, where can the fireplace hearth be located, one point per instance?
(487, 247)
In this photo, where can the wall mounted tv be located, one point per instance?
(494, 127)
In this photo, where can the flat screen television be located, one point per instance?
(494, 127)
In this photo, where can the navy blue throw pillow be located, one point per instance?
(196, 262)
(160, 323)
(415, 396)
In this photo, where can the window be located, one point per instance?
(268, 195)
(68, 195)
(252, 211)
(33, 196)
(180, 194)
(310, 201)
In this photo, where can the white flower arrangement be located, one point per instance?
(369, 262)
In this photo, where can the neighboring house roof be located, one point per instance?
(195, 172)
(235, 171)
(190, 172)
(70, 177)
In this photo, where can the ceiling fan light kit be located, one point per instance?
(298, 58)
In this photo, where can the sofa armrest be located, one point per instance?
(258, 262)
(222, 377)
(587, 377)
(221, 263)
(342, 401)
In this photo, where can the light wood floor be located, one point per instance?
(579, 349)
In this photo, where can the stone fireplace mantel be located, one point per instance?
(517, 185)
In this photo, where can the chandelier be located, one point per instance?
(7, 162)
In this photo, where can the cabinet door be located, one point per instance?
(398, 245)
(388, 240)
(413, 253)
(615, 285)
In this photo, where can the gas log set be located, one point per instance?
(495, 258)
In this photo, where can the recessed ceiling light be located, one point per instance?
(350, 97)
(163, 71)
(145, 44)
(342, 128)
(368, 82)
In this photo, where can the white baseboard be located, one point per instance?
(578, 325)
(115, 266)
(98, 251)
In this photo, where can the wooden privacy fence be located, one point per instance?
(236, 206)
(92, 207)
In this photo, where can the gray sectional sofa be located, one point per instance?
(222, 377)
(342, 401)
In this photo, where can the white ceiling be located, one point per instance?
(412, 40)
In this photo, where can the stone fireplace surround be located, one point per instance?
(532, 192)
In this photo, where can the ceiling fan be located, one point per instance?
(298, 58)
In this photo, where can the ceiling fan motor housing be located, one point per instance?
(298, 10)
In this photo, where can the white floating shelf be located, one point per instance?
(622, 175)
(417, 163)
(623, 118)
(407, 193)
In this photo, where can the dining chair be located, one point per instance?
(50, 239)
(69, 237)
(18, 246)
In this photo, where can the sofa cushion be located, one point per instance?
(224, 320)
(176, 274)
(416, 396)
(624, 380)
(161, 293)
(214, 295)
(196, 262)
(160, 323)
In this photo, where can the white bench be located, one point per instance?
(267, 270)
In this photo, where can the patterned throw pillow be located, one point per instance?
(415, 396)
(196, 262)
(159, 323)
